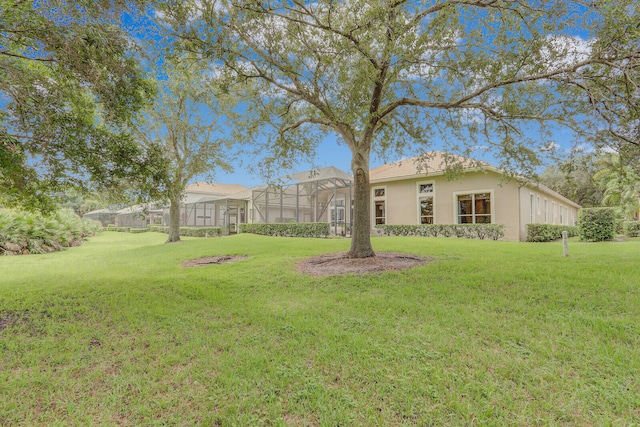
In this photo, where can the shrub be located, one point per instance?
(596, 224)
(470, 231)
(549, 232)
(199, 232)
(32, 233)
(309, 229)
(138, 230)
(190, 231)
(631, 228)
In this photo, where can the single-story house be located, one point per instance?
(420, 190)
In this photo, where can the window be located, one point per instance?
(532, 214)
(380, 214)
(546, 211)
(553, 212)
(538, 204)
(561, 214)
(425, 203)
(474, 208)
(379, 201)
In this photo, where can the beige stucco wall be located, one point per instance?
(543, 207)
(510, 201)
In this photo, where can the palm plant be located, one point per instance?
(621, 185)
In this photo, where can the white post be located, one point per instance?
(565, 243)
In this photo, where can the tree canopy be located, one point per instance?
(384, 76)
(70, 80)
(186, 122)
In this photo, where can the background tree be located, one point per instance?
(69, 81)
(574, 179)
(384, 75)
(620, 183)
(185, 120)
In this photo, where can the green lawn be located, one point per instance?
(492, 333)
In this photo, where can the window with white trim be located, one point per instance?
(532, 212)
(474, 208)
(546, 211)
(425, 203)
(379, 203)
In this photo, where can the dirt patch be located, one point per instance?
(209, 260)
(11, 318)
(335, 264)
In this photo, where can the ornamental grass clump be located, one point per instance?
(23, 233)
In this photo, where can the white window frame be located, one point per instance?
(553, 212)
(420, 195)
(546, 211)
(538, 204)
(375, 199)
(492, 197)
(561, 212)
(532, 208)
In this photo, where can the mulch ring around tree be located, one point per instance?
(340, 263)
(213, 260)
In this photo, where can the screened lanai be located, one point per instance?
(322, 195)
(225, 212)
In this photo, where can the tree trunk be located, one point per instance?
(174, 220)
(361, 232)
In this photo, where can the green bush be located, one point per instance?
(549, 232)
(32, 233)
(631, 228)
(596, 224)
(200, 232)
(190, 231)
(469, 231)
(138, 230)
(309, 229)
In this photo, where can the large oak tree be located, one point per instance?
(384, 75)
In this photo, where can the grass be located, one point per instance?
(492, 333)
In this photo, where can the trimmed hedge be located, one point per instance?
(138, 230)
(190, 231)
(549, 232)
(469, 231)
(596, 224)
(118, 229)
(294, 229)
(631, 228)
(200, 232)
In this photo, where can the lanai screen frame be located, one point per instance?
(311, 188)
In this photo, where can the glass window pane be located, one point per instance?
(465, 219)
(426, 188)
(483, 219)
(464, 204)
(483, 203)
(426, 220)
(426, 206)
(378, 192)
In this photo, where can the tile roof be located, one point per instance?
(214, 188)
(432, 163)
